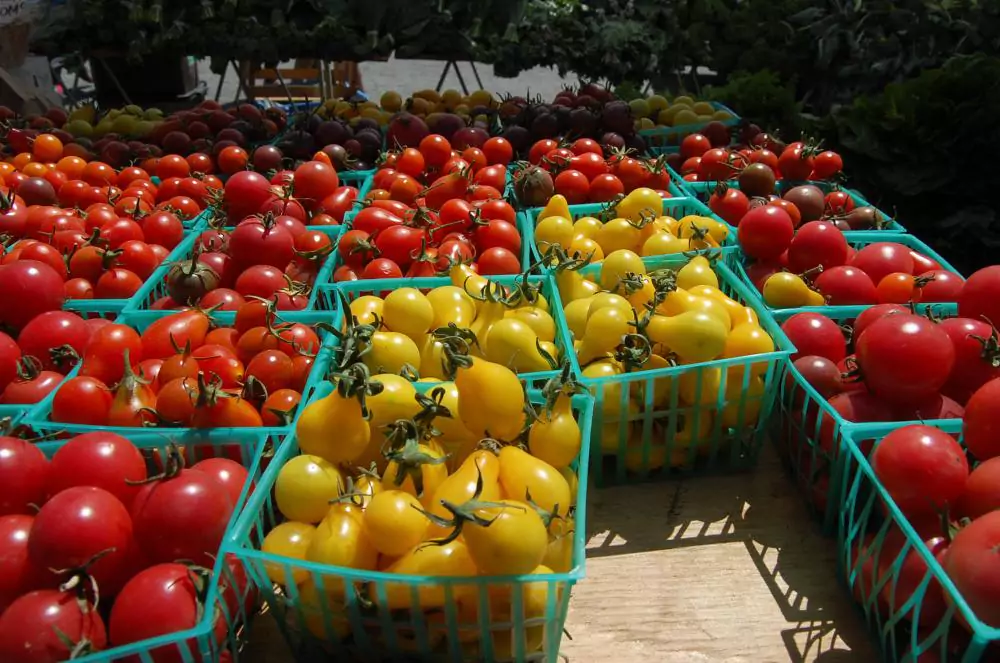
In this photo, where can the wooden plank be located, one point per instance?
(701, 570)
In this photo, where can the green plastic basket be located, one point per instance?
(661, 137)
(867, 515)
(155, 286)
(801, 414)
(359, 179)
(232, 600)
(323, 632)
(675, 207)
(703, 191)
(658, 434)
(39, 418)
(856, 239)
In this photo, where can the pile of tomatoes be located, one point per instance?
(701, 161)
(582, 173)
(628, 319)
(816, 265)
(183, 371)
(104, 518)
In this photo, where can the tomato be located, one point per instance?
(117, 283)
(24, 474)
(898, 288)
(765, 232)
(381, 268)
(260, 281)
(75, 525)
(47, 255)
(44, 626)
(494, 176)
(296, 338)
(971, 564)
(393, 522)
(102, 459)
(815, 244)
(411, 162)
(105, 355)
(272, 368)
(905, 359)
(305, 486)
(374, 219)
(732, 205)
(181, 517)
(10, 355)
(55, 338)
(256, 241)
(883, 258)
(157, 601)
(279, 407)
(923, 469)
(514, 543)
(694, 145)
(795, 162)
(400, 244)
(227, 411)
(827, 164)
(845, 285)
(32, 389)
(245, 193)
(590, 164)
(435, 149)
(574, 185)
(856, 406)
(815, 334)
(943, 286)
(982, 491)
(138, 258)
(162, 338)
(605, 187)
(173, 165)
(632, 173)
(227, 473)
(82, 400)
(497, 209)
(980, 296)
(231, 160)
(498, 150)
(28, 288)
(18, 575)
(980, 427)
(715, 164)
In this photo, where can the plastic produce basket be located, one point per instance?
(155, 286)
(360, 179)
(316, 629)
(810, 434)
(867, 518)
(24, 412)
(232, 600)
(40, 416)
(675, 207)
(856, 239)
(329, 298)
(661, 137)
(703, 191)
(641, 426)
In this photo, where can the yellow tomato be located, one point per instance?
(397, 400)
(816, 298)
(540, 321)
(786, 290)
(586, 246)
(490, 400)
(506, 642)
(661, 385)
(610, 398)
(694, 336)
(555, 438)
(640, 293)
(451, 304)
(694, 225)
(450, 560)
(393, 524)
(554, 231)
(456, 439)
(334, 428)
(678, 301)
(512, 343)
(604, 332)
(714, 308)
(289, 540)
(513, 543)
(432, 469)
(323, 612)
(576, 313)
(460, 487)
(608, 299)
(463, 277)
(572, 480)
(341, 540)
(390, 352)
(738, 313)
(664, 243)
(366, 485)
(640, 202)
(432, 360)
(489, 313)
(613, 432)
(745, 340)
(557, 206)
(522, 475)
(618, 234)
(586, 226)
(617, 265)
(743, 408)
(700, 386)
(573, 286)
(408, 311)
(366, 308)
(305, 486)
(698, 271)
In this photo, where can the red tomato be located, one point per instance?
(694, 145)
(498, 233)
(260, 281)
(905, 359)
(49, 336)
(498, 150)
(494, 176)
(971, 564)
(584, 145)
(826, 165)
(28, 288)
(435, 149)
(815, 334)
(980, 427)
(540, 149)
(381, 268)
(795, 162)
(258, 242)
(374, 219)
(498, 260)
(766, 232)
(574, 185)
(883, 258)
(105, 355)
(923, 469)
(43, 623)
(943, 286)
(18, 575)
(272, 368)
(101, 459)
(982, 491)
(82, 400)
(732, 205)
(75, 525)
(475, 157)
(227, 473)
(844, 285)
(32, 389)
(163, 336)
(980, 296)
(605, 187)
(222, 299)
(246, 192)
(24, 474)
(279, 408)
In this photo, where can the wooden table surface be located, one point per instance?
(723, 569)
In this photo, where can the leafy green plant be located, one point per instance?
(762, 97)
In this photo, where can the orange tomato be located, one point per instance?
(72, 167)
(47, 148)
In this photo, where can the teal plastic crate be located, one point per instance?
(703, 191)
(329, 296)
(663, 137)
(675, 207)
(40, 416)
(23, 412)
(856, 239)
(232, 600)
(360, 179)
(867, 516)
(809, 434)
(642, 426)
(155, 286)
(317, 628)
